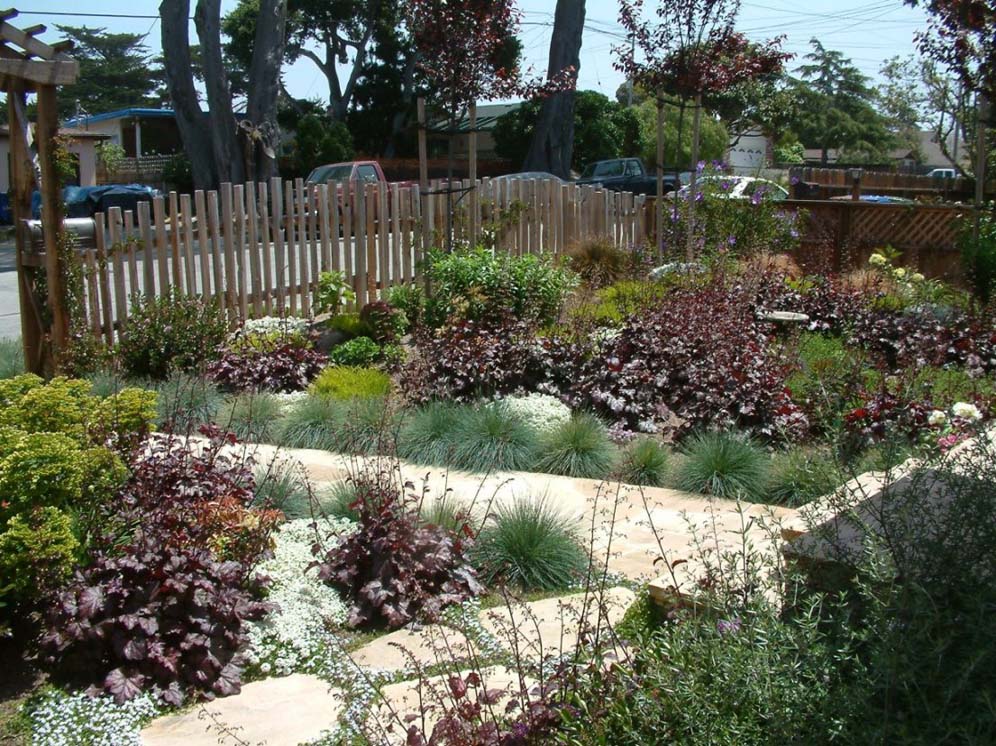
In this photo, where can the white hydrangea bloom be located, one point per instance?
(288, 639)
(877, 260)
(62, 719)
(917, 277)
(966, 411)
(542, 412)
(936, 417)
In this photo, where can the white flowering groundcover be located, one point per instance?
(61, 719)
(541, 412)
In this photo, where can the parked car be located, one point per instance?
(527, 175)
(739, 187)
(942, 173)
(85, 202)
(625, 175)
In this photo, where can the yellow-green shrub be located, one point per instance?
(123, 419)
(45, 469)
(344, 382)
(12, 389)
(37, 554)
(61, 406)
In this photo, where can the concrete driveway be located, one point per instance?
(10, 317)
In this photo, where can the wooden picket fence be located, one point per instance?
(259, 248)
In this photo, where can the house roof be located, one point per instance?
(132, 112)
(76, 134)
(487, 115)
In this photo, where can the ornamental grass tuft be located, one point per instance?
(11, 358)
(578, 448)
(531, 546)
(312, 422)
(185, 402)
(800, 476)
(645, 462)
(428, 435)
(723, 465)
(490, 438)
(253, 417)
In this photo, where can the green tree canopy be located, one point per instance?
(836, 108)
(115, 72)
(602, 129)
(713, 143)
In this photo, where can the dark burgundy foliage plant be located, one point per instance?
(285, 368)
(469, 359)
(886, 415)
(385, 321)
(159, 608)
(701, 355)
(393, 569)
(153, 618)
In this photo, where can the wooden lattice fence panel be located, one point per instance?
(909, 228)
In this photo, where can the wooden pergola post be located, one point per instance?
(29, 65)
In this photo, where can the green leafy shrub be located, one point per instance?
(477, 284)
(254, 418)
(386, 322)
(830, 374)
(124, 419)
(490, 438)
(978, 255)
(172, 332)
(360, 352)
(332, 293)
(38, 552)
(644, 461)
(313, 422)
(40, 469)
(350, 325)
(799, 476)
(410, 300)
(12, 389)
(428, 436)
(722, 465)
(578, 448)
(345, 382)
(529, 545)
(11, 358)
(62, 405)
(943, 387)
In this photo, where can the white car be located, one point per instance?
(738, 187)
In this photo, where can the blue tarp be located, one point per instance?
(84, 202)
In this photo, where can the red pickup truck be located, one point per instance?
(351, 172)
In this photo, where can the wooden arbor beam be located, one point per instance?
(40, 72)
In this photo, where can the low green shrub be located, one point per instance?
(348, 382)
(578, 448)
(360, 352)
(428, 436)
(978, 254)
(11, 358)
(38, 552)
(124, 419)
(350, 325)
(490, 438)
(313, 422)
(529, 545)
(40, 469)
(62, 405)
(410, 300)
(829, 377)
(645, 462)
(801, 475)
(943, 387)
(254, 418)
(722, 465)
(172, 332)
(476, 284)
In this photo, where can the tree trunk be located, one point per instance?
(180, 82)
(228, 156)
(264, 88)
(696, 127)
(552, 145)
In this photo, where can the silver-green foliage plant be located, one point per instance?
(529, 545)
(579, 447)
(722, 465)
(489, 438)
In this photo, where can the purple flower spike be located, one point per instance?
(728, 626)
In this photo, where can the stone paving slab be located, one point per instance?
(425, 646)
(283, 711)
(541, 630)
(422, 704)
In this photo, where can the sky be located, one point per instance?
(868, 32)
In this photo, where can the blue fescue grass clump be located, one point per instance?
(312, 422)
(644, 462)
(428, 436)
(11, 358)
(579, 447)
(490, 438)
(253, 417)
(723, 465)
